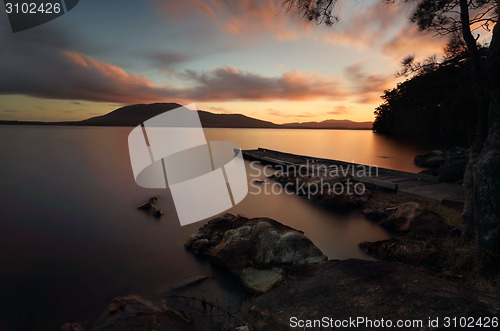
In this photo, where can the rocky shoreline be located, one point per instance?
(423, 271)
(287, 277)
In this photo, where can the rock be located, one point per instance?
(449, 165)
(135, 313)
(145, 206)
(241, 328)
(190, 281)
(454, 168)
(340, 195)
(410, 217)
(200, 245)
(369, 289)
(253, 249)
(72, 327)
(428, 172)
(150, 208)
(376, 214)
(155, 212)
(405, 250)
(335, 192)
(113, 308)
(261, 281)
(432, 159)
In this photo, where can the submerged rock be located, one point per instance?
(75, 326)
(150, 208)
(255, 250)
(135, 313)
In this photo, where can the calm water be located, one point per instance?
(71, 238)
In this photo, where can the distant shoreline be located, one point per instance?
(134, 115)
(80, 124)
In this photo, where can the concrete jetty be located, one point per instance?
(419, 185)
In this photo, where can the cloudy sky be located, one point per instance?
(245, 56)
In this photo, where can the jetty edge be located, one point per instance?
(422, 186)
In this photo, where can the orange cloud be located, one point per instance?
(368, 26)
(410, 41)
(108, 70)
(243, 17)
(340, 110)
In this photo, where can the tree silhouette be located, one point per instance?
(460, 19)
(433, 106)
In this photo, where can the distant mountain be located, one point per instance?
(134, 115)
(330, 124)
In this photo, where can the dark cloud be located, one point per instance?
(30, 67)
(229, 83)
(33, 68)
(367, 87)
(42, 63)
(169, 58)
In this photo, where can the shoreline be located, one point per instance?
(308, 291)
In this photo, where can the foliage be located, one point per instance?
(433, 106)
(474, 100)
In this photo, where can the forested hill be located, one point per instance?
(435, 106)
(134, 115)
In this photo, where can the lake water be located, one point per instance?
(71, 238)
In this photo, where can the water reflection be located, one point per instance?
(360, 146)
(71, 238)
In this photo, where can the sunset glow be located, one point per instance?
(252, 58)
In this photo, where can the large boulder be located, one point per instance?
(432, 159)
(255, 249)
(454, 168)
(411, 217)
(339, 290)
(448, 165)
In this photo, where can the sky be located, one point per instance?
(247, 56)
